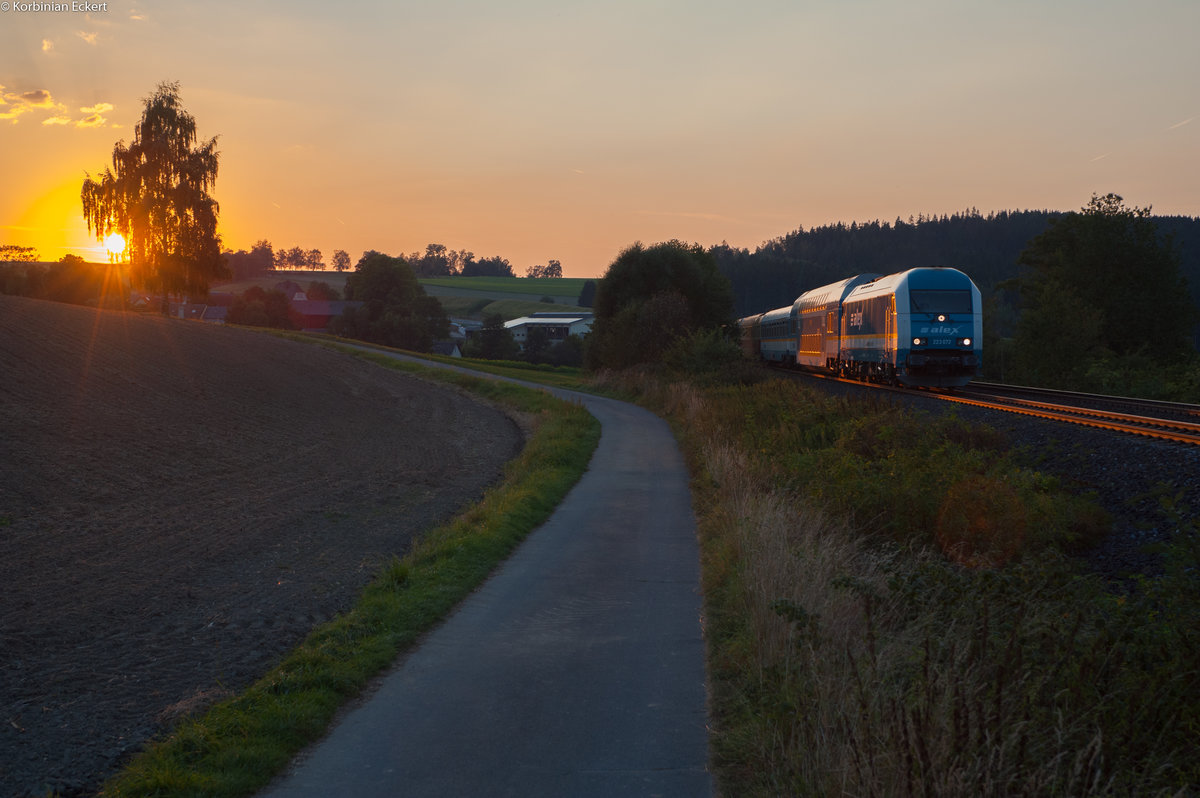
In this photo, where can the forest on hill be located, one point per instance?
(984, 247)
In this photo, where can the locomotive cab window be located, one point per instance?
(940, 301)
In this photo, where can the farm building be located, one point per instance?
(558, 326)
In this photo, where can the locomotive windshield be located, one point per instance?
(940, 301)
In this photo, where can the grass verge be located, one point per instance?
(864, 639)
(235, 748)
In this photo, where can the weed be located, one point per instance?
(851, 652)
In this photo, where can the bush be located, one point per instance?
(395, 310)
(649, 297)
(853, 654)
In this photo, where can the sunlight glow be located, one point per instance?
(115, 244)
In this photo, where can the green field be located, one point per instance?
(461, 297)
(540, 286)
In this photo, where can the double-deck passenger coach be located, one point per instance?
(920, 328)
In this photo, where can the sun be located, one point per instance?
(115, 244)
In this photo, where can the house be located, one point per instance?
(558, 326)
(448, 348)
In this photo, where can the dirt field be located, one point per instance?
(180, 504)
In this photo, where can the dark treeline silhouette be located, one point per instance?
(71, 280)
(439, 261)
(436, 261)
(985, 247)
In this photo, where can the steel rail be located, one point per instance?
(1146, 426)
(1164, 429)
(1157, 405)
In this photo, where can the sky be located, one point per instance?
(550, 129)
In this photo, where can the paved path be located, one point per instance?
(576, 670)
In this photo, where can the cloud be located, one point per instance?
(47, 45)
(1187, 121)
(18, 103)
(90, 38)
(15, 104)
(38, 98)
(95, 115)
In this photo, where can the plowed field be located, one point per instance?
(180, 504)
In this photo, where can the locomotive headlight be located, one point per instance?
(965, 342)
(917, 342)
(941, 317)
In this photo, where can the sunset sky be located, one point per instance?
(550, 129)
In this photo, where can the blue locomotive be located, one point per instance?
(921, 328)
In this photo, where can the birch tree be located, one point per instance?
(157, 195)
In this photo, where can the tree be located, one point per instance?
(12, 253)
(294, 258)
(1100, 283)
(587, 295)
(552, 269)
(395, 310)
(537, 342)
(322, 291)
(651, 296)
(436, 262)
(488, 267)
(258, 261)
(494, 341)
(258, 307)
(157, 195)
(341, 260)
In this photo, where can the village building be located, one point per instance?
(558, 326)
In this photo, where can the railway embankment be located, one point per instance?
(905, 595)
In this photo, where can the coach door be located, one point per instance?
(889, 335)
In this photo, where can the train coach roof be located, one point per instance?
(777, 313)
(831, 294)
(928, 277)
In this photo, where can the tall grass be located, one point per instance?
(858, 649)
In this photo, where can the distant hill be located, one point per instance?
(985, 247)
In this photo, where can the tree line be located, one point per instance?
(985, 247)
(437, 260)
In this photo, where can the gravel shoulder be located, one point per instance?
(1131, 477)
(180, 504)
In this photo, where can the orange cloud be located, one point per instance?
(38, 98)
(95, 115)
(13, 104)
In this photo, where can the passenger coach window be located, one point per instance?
(940, 301)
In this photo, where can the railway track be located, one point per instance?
(1171, 421)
